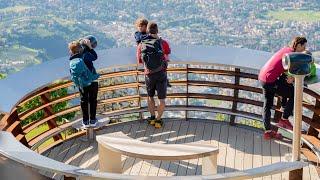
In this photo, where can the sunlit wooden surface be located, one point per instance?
(239, 148)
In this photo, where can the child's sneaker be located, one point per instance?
(284, 123)
(152, 120)
(158, 123)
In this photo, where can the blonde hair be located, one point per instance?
(75, 47)
(141, 22)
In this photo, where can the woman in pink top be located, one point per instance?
(269, 79)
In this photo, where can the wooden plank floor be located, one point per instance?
(239, 149)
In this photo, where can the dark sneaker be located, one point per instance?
(85, 124)
(93, 123)
(158, 123)
(151, 120)
(284, 123)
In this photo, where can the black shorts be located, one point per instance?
(157, 82)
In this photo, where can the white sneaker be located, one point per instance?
(85, 125)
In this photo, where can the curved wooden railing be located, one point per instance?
(231, 93)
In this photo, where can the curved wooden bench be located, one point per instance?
(112, 146)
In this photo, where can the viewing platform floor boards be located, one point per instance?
(239, 148)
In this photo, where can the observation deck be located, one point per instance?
(215, 99)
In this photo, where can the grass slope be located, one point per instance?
(295, 15)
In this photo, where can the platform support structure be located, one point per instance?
(90, 133)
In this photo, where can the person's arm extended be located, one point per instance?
(90, 55)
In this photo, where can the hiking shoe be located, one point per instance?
(93, 123)
(152, 120)
(158, 123)
(272, 135)
(284, 123)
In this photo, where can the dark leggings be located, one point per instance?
(269, 91)
(89, 98)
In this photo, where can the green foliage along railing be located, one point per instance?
(2, 76)
(36, 102)
(62, 105)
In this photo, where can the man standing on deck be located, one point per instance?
(151, 52)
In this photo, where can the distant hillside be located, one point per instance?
(32, 31)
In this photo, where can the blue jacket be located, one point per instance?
(139, 36)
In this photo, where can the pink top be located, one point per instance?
(273, 68)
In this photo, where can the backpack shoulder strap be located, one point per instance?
(160, 41)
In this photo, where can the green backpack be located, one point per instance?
(313, 70)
